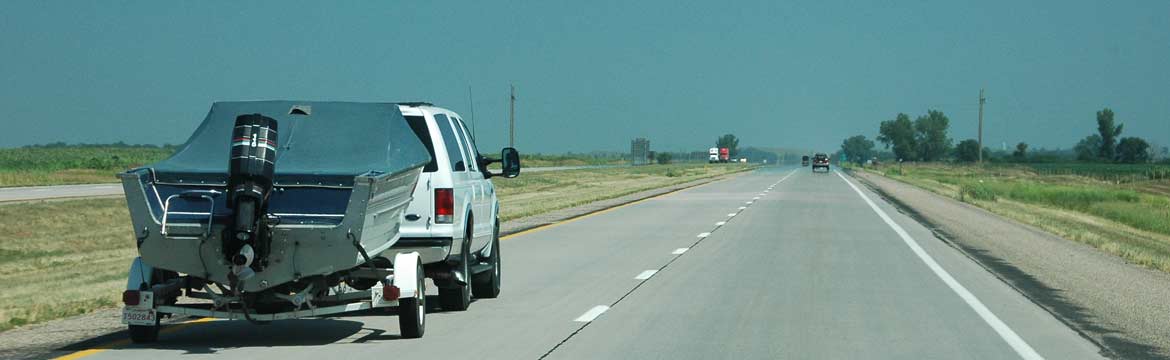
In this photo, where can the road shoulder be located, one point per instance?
(1119, 306)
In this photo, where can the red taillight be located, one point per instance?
(390, 292)
(130, 297)
(444, 206)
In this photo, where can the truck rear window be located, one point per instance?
(419, 125)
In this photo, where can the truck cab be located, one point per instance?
(453, 219)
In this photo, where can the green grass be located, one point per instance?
(78, 164)
(540, 192)
(62, 258)
(86, 164)
(548, 160)
(1130, 219)
(65, 258)
(1117, 173)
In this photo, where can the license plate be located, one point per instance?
(139, 316)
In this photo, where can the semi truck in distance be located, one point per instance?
(717, 154)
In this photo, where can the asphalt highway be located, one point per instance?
(779, 263)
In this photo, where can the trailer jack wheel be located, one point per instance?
(412, 312)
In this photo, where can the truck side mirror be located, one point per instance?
(510, 162)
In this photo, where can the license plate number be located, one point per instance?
(139, 316)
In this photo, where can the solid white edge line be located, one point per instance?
(645, 275)
(703, 235)
(1014, 340)
(679, 251)
(592, 313)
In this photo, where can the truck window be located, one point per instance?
(454, 153)
(419, 125)
(468, 145)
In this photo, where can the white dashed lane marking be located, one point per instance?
(592, 313)
(679, 251)
(645, 274)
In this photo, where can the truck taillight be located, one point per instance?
(444, 206)
(130, 297)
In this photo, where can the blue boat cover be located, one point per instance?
(324, 143)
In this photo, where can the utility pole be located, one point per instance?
(981, 101)
(512, 117)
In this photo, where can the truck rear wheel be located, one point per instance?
(457, 297)
(486, 285)
(412, 312)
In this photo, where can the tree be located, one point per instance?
(857, 149)
(931, 135)
(1133, 150)
(899, 133)
(1109, 134)
(730, 142)
(664, 158)
(1088, 148)
(967, 150)
(1021, 152)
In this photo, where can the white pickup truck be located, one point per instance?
(453, 221)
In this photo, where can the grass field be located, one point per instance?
(80, 164)
(547, 160)
(89, 164)
(1130, 219)
(54, 265)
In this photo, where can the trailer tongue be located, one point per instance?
(287, 228)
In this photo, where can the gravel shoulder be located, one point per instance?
(64, 336)
(1120, 306)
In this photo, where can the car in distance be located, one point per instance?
(820, 161)
(453, 221)
(804, 160)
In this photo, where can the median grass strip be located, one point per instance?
(70, 257)
(536, 193)
(1128, 219)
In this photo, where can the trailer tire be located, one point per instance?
(458, 297)
(486, 285)
(141, 334)
(412, 312)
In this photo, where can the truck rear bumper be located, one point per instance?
(431, 249)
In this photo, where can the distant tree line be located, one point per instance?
(925, 139)
(120, 144)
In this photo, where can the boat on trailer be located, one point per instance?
(277, 210)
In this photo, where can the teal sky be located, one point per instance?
(592, 75)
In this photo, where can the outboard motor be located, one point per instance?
(246, 240)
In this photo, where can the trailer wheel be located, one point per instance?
(458, 296)
(141, 334)
(412, 312)
(486, 285)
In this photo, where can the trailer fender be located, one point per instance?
(406, 274)
(141, 275)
